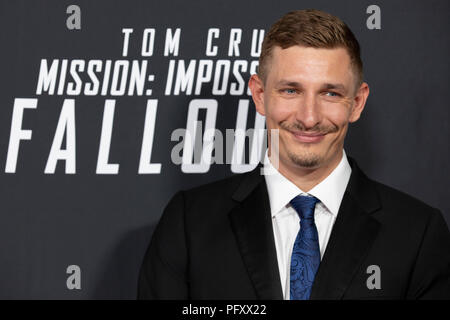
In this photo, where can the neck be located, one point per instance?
(308, 178)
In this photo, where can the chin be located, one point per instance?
(305, 160)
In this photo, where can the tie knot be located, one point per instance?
(304, 205)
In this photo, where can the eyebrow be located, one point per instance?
(338, 86)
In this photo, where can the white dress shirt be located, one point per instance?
(285, 220)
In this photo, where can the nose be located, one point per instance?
(308, 111)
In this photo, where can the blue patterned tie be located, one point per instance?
(305, 258)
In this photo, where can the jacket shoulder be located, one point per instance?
(403, 203)
(216, 195)
(221, 185)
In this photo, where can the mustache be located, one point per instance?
(317, 129)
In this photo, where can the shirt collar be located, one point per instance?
(329, 191)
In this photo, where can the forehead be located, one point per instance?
(310, 64)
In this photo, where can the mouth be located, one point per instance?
(308, 137)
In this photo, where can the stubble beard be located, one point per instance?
(305, 160)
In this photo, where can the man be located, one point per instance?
(316, 227)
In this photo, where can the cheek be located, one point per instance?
(278, 110)
(336, 114)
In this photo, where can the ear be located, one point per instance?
(256, 86)
(359, 102)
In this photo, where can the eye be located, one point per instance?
(289, 91)
(333, 94)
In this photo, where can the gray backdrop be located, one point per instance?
(103, 222)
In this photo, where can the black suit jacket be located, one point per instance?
(216, 242)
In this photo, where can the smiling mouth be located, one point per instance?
(310, 137)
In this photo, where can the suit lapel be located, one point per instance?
(252, 225)
(353, 233)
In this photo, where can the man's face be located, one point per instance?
(310, 95)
